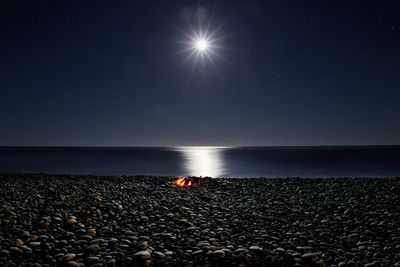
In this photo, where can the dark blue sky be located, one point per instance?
(109, 73)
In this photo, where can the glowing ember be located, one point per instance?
(187, 182)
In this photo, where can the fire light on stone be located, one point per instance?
(187, 182)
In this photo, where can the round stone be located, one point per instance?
(142, 255)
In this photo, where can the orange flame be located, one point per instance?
(180, 181)
(186, 182)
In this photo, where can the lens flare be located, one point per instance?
(203, 42)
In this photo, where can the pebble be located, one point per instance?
(144, 245)
(91, 232)
(254, 248)
(310, 257)
(146, 221)
(219, 253)
(92, 249)
(34, 244)
(240, 250)
(15, 251)
(111, 262)
(142, 255)
(19, 242)
(72, 264)
(158, 254)
(71, 221)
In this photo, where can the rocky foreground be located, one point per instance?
(49, 220)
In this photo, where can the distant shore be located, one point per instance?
(87, 220)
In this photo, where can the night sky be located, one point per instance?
(107, 73)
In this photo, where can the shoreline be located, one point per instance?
(85, 220)
(48, 175)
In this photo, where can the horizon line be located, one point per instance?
(188, 146)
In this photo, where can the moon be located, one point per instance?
(201, 45)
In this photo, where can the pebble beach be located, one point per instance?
(64, 220)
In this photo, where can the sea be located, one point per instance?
(212, 161)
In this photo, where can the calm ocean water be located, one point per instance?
(370, 161)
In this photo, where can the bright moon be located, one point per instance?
(201, 44)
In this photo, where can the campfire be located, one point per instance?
(188, 181)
